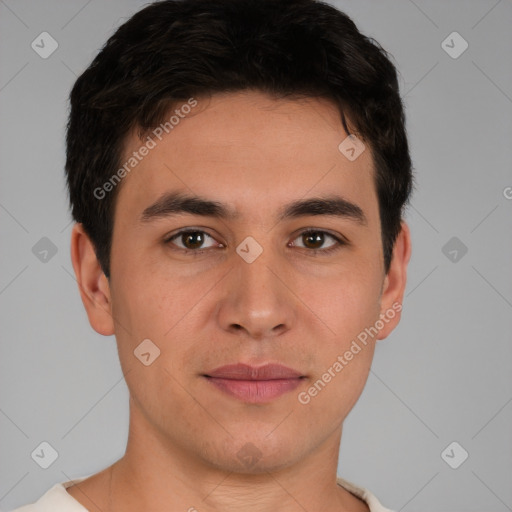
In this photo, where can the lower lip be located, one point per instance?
(255, 391)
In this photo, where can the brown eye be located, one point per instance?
(315, 240)
(191, 240)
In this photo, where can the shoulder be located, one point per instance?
(56, 499)
(371, 500)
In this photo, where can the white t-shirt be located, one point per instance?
(57, 498)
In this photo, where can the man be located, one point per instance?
(237, 172)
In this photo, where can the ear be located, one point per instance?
(92, 282)
(394, 283)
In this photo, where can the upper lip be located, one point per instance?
(247, 372)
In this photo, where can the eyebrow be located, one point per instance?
(175, 203)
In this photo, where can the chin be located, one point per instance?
(254, 455)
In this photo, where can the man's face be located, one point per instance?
(299, 303)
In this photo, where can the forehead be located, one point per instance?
(251, 152)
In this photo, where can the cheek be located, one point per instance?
(149, 303)
(333, 392)
(167, 310)
(350, 309)
(346, 304)
(148, 308)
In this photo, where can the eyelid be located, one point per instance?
(312, 229)
(177, 234)
(339, 239)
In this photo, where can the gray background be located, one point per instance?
(444, 375)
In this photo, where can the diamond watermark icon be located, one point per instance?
(146, 352)
(454, 249)
(249, 249)
(44, 250)
(44, 455)
(44, 45)
(351, 147)
(454, 45)
(249, 455)
(454, 455)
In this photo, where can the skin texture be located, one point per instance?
(289, 306)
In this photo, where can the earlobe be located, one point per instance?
(92, 283)
(395, 282)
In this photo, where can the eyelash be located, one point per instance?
(337, 246)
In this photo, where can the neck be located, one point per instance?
(159, 475)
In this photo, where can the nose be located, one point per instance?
(256, 298)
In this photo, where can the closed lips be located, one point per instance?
(247, 372)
